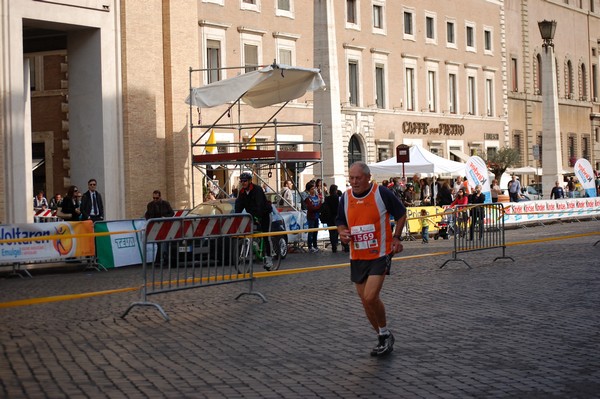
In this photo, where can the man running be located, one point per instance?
(363, 220)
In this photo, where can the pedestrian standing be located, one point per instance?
(92, 206)
(425, 226)
(313, 205)
(514, 189)
(158, 207)
(287, 194)
(495, 191)
(477, 213)
(331, 204)
(557, 191)
(571, 187)
(364, 221)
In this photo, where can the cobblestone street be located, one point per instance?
(503, 329)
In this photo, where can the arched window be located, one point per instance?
(354, 150)
(583, 82)
(569, 80)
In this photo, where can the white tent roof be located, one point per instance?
(530, 170)
(525, 170)
(421, 161)
(273, 84)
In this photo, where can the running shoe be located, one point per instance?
(384, 346)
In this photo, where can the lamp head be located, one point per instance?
(547, 30)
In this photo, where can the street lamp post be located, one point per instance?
(551, 150)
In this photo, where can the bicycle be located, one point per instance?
(250, 248)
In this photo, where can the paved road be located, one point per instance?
(523, 329)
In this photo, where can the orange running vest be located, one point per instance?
(369, 223)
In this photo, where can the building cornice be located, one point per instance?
(454, 63)
(489, 69)
(253, 31)
(406, 55)
(284, 35)
(349, 46)
(379, 51)
(472, 66)
(211, 24)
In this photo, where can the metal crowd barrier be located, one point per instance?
(477, 227)
(195, 252)
(46, 216)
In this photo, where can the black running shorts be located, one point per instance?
(361, 269)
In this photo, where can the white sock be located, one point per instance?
(383, 331)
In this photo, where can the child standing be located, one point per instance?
(425, 222)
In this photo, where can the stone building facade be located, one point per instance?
(576, 49)
(458, 78)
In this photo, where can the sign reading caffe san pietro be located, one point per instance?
(444, 129)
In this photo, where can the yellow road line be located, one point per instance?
(552, 239)
(58, 298)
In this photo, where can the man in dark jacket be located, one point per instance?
(557, 191)
(252, 198)
(332, 202)
(92, 207)
(477, 213)
(158, 208)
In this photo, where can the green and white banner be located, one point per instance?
(116, 250)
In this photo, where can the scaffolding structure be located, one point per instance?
(271, 160)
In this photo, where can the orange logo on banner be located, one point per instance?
(75, 246)
(85, 245)
(63, 245)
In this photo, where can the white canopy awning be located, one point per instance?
(530, 170)
(525, 170)
(421, 161)
(271, 85)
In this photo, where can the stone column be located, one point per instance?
(551, 149)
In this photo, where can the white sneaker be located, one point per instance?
(314, 250)
(268, 262)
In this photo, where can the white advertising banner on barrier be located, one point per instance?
(546, 210)
(54, 241)
(296, 220)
